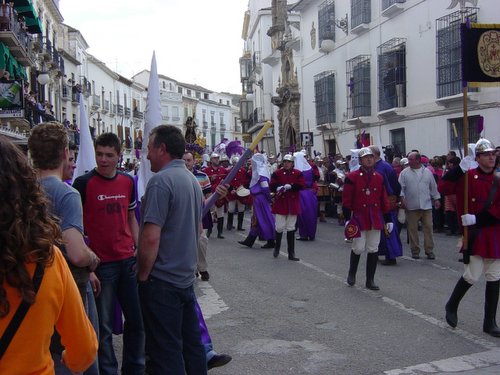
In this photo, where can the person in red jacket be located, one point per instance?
(216, 173)
(286, 183)
(365, 195)
(483, 221)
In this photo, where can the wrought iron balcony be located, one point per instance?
(119, 109)
(138, 114)
(127, 112)
(105, 106)
(15, 37)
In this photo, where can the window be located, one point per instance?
(205, 96)
(175, 112)
(198, 95)
(392, 74)
(326, 21)
(324, 96)
(387, 3)
(360, 12)
(179, 90)
(221, 115)
(448, 52)
(164, 84)
(456, 131)
(188, 92)
(358, 87)
(398, 141)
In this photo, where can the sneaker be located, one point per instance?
(219, 360)
(204, 275)
(430, 256)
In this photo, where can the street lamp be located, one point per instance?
(43, 76)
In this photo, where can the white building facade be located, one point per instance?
(387, 71)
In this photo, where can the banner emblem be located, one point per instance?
(488, 51)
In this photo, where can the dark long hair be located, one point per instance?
(27, 230)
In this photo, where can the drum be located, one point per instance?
(323, 193)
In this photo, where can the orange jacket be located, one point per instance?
(58, 303)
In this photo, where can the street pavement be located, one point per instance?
(277, 317)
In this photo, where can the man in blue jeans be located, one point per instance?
(108, 198)
(167, 257)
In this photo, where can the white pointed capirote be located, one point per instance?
(86, 154)
(152, 118)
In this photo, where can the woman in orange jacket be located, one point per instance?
(27, 235)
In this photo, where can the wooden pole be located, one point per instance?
(246, 155)
(466, 250)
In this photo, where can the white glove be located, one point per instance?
(468, 219)
(468, 163)
(280, 188)
(287, 187)
(389, 227)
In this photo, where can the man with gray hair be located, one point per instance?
(418, 195)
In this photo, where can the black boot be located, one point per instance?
(230, 216)
(290, 239)
(371, 266)
(277, 244)
(240, 221)
(268, 245)
(452, 305)
(249, 241)
(220, 226)
(353, 268)
(209, 232)
(490, 308)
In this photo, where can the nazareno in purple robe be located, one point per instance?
(390, 247)
(263, 224)
(307, 219)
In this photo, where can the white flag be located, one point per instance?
(152, 118)
(86, 154)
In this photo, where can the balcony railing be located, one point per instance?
(176, 118)
(222, 127)
(127, 112)
(114, 111)
(119, 109)
(205, 125)
(105, 106)
(14, 36)
(138, 114)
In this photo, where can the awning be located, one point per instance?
(34, 26)
(9, 63)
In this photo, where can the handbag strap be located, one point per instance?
(21, 311)
(492, 193)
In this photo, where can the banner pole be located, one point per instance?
(466, 250)
(246, 155)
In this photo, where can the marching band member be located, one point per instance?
(365, 195)
(286, 182)
(216, 173)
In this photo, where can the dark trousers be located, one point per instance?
(173, 338)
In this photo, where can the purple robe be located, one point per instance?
(390, 247)
(263, 224)
(307, 219)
